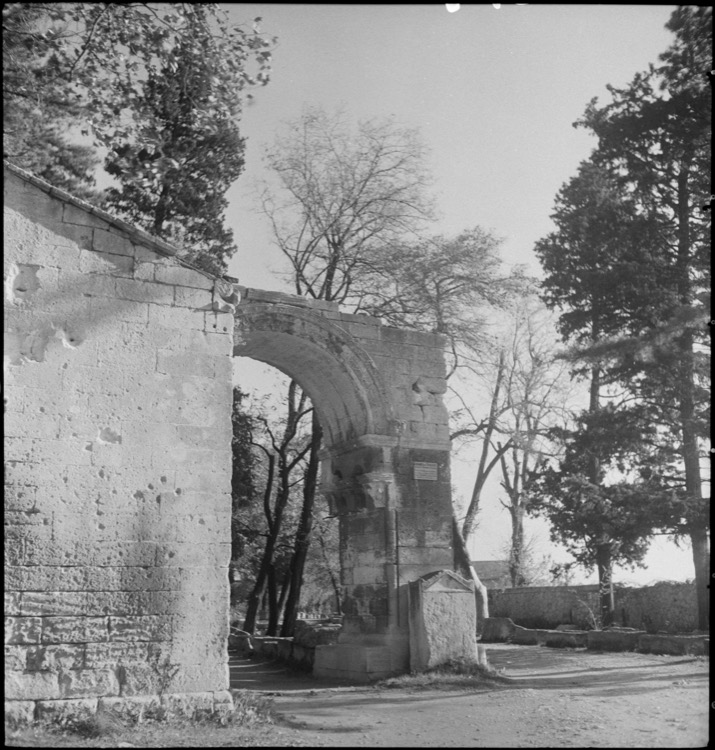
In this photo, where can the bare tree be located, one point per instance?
(339, 195)
(527, 391)
(342, 194)
(284, 453)
(537, 396)
(348, 209)
(535, 568)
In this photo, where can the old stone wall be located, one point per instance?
(664, 607)
(545, 606)
(118, 364)
(117, 456)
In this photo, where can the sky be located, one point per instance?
(493, 92)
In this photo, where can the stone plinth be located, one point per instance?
(363, 659)
(443, 620)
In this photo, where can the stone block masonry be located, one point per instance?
(664, 607)
(117, 391)
(118, 400)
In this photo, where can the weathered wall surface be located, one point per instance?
(117, 454)
(443, 620)
(663, 607)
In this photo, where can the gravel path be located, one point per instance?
(555, 698)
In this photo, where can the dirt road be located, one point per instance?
(554, 698)
(557, 698)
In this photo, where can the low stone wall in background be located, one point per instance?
(503, 630)
(664, 607)
(298, 651)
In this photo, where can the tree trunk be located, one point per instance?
(604, 564)
(160, 210)
(258, 590)
(463, 562)
(693, 486)
(334, 580)
(516, 555)
(272, 591)
(254, 599)
(701, 561)
(266, 574)
(285, 586)
(689, 446)
(305, 525)
(484, 469)
(604, 561)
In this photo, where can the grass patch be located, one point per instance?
(101, 724)
(252, 712)
(457, 673)
(250, 709)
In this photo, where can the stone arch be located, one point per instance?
(347, 390)
(385, 464)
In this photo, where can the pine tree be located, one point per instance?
(629, 266)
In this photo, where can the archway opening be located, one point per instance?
(285, 566)
(342, 408)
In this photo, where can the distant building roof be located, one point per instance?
(493, 573)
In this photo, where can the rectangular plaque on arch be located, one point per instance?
(425, 471)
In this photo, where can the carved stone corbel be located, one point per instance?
(225, 296)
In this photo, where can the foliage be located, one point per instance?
(600, 271)
(534, 567)
(37, 115)
(189, 105)
(451, 285)
(445, 285)
(350, 217)
(251, 708)
(301, 546)
(654, 141)
(283, 445)
(629, 265)
(158, 87)
(587, 512)
(99, 724)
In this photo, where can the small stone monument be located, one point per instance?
(443, 620)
